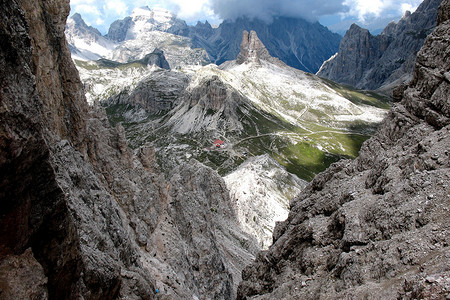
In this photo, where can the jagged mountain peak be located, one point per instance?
(356, 28)
(200, 25)
(80, 25)
(386, 60)
(146, 19)
(157, 14)
(86, 42)
(253, 50)
(209, 106)
(77, 19)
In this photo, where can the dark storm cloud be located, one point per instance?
(267, 9)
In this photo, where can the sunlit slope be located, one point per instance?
(302, 121)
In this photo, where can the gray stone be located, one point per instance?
(82, 215)
(386, 60)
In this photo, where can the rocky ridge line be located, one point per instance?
(375, 227)
(386, 60)
(297, 42)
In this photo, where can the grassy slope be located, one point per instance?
(304, 150)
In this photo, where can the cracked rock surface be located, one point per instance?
(81, 215)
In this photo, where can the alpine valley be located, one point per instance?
(167, 161)
(266, 114)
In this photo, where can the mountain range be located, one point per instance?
(303, 121)
(299, 43)
(292, 121)
(360, 60)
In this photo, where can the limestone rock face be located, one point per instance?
(55, 80)
(118, 29)
(262, 199)
(158, 92)
(253, 50)
(82, 216)
(358, 51)
(200, 237)
(210, 105)
(373, 62)
(375, 227)
(22, 277)
(156, 58)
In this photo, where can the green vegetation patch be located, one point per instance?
(360, 97)
(115, 113)
(305, 160)
(304, 151)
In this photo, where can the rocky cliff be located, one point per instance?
(156, 94)
(86, 42)
(106, 79)
(375, 227)
(82, 216)
(253, 50)
(383, 61)
(263, 197)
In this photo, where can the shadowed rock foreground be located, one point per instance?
(82, 216)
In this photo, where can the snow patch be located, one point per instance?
(326, 62)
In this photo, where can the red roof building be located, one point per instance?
(219, 143)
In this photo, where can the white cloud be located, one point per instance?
(104, 12)
(87, 9)
(116, 7)
(363, 9)
(193, 7)
(99, 21)
(78, 2)
(190, 11)
(267, 9)
(411, 6)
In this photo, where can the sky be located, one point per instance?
(101, 13)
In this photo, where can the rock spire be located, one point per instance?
(253, 50)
